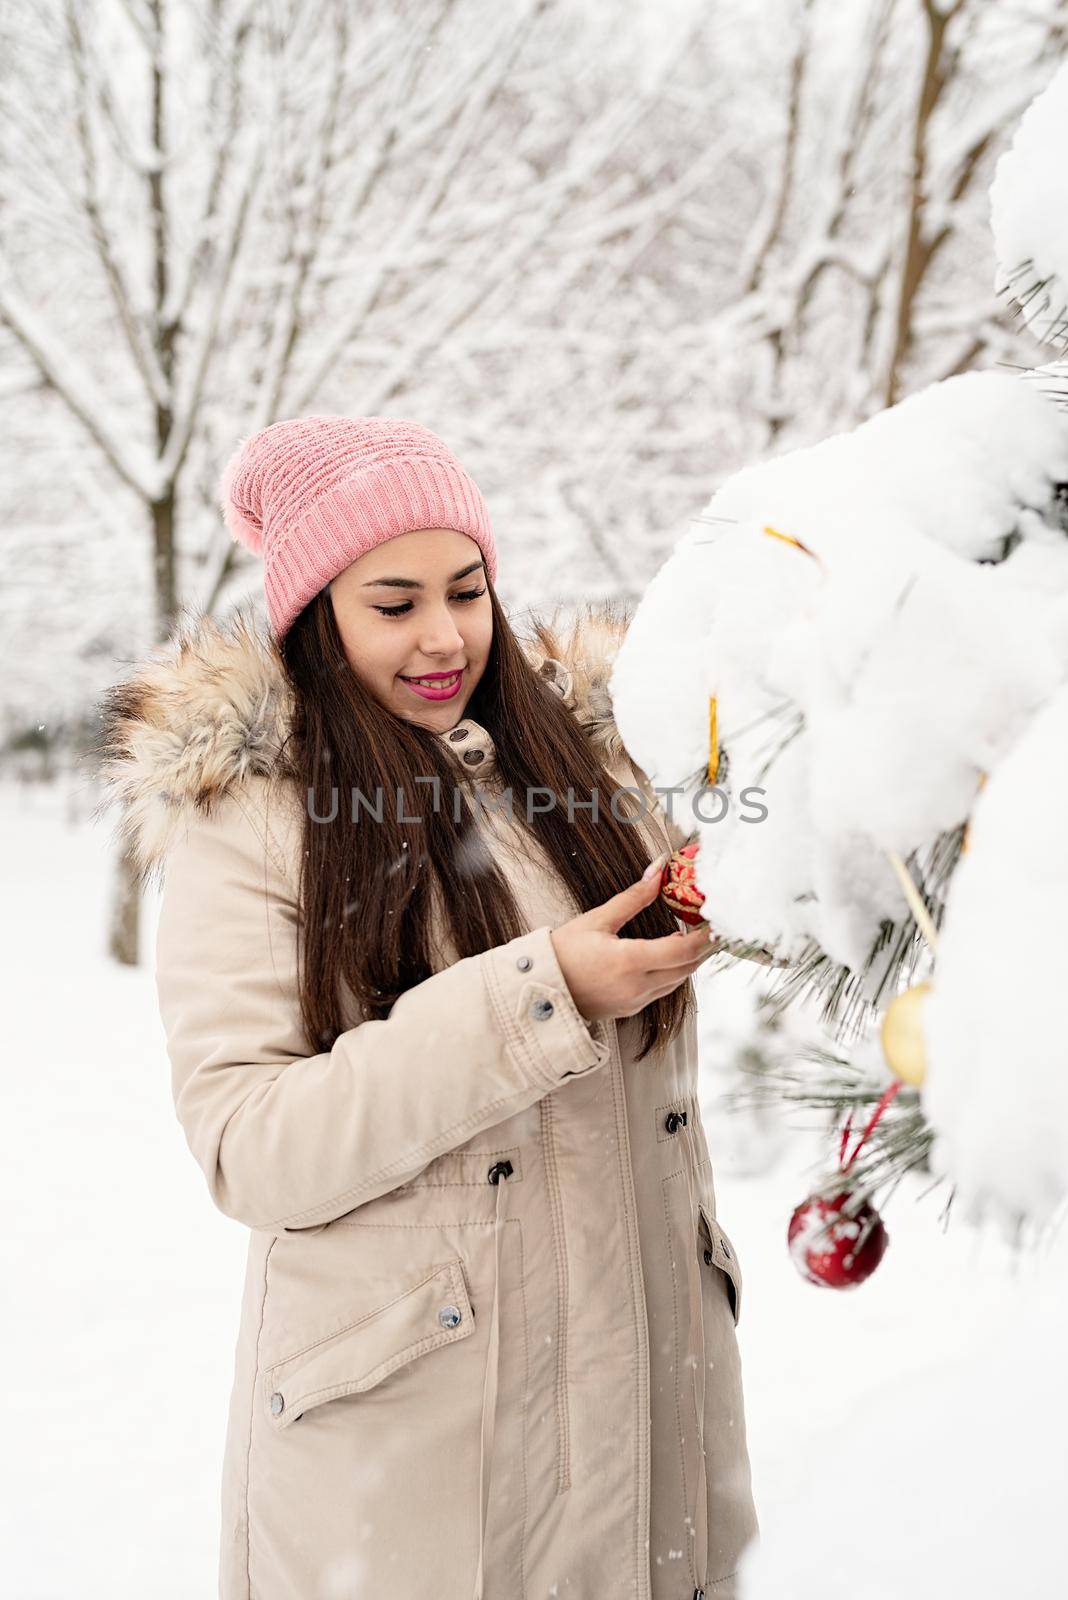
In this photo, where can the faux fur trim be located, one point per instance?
(213, 707)
(587, 649)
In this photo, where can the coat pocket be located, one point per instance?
(719, 1254)
(433, 1311)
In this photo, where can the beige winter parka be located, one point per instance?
(487, 1344)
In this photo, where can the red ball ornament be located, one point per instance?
(833, 1250)
(678, 890)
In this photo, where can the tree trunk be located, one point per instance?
(162, 512)
(125, 931)
(125, 923)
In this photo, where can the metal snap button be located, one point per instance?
(473, 757)
(277, 1404)
(708, 1258)
(449, 1316)
(541, 1009)
(524, 963)
(723, 1247)
(672, 1122)
(457, 734)
(499, 1170)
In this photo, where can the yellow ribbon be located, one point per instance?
(787, 539)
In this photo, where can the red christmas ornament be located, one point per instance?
(678, 890)
(833, 1248)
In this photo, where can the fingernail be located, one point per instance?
(654, 867)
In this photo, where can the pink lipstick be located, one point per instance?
(436, 685)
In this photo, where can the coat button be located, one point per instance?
(708, 1258)
(473, 757)
(449, 1316)
(541, 1009)
(672, 1122)
(277, 1404)
(457, 734)
(499, 1170)
(524, 963)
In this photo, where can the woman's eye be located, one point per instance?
(399, 611)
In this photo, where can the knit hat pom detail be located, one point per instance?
(243, 523)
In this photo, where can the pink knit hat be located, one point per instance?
(311, 494)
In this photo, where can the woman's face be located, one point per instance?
(417, 606)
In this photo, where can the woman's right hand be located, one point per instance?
(612, 977)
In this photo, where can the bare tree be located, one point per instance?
(869, 268)
(254, 196)
(622, 260)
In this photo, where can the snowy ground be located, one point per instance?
(907, 1437)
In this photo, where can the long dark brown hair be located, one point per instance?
(368, 893)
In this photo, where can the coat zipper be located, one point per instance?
(644, 1418)
(689, 1156)
(556, 1211)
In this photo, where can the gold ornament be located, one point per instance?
(713, 719)
(789, 539)
(968, 824)
(902, 1035)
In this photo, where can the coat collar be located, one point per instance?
(472, 744)
(212, 709)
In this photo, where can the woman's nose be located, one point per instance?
(441, 636)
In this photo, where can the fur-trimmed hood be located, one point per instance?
(213, 707)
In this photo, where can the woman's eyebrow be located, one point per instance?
(413, 583)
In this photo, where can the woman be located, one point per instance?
(438, 1053)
